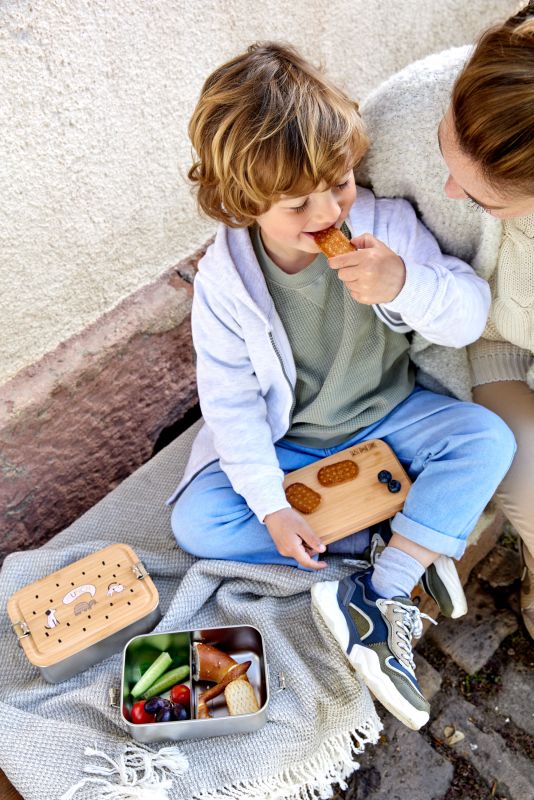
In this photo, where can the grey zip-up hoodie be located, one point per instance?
(245, 369)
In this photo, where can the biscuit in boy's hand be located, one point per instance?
(302, 498)
(340, 472)
(332, 242)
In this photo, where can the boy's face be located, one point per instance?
(287, 225)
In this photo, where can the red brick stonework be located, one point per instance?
(88, 414)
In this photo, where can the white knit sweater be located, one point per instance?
(402, 117)
(505, 350)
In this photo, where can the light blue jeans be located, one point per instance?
(456, 454)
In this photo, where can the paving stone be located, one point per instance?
(403, 767)
(428, 678)
(486, 750)
(515, 697)
(471, 640)
(500, 568)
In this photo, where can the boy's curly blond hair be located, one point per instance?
(269, 124)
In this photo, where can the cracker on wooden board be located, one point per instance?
(340, 472)
(302, 498)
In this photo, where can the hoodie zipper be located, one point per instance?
(279, 357)
(174, 497)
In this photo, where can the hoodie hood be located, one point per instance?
(231, 260)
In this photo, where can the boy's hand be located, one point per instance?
(373, 273)
(294, 538)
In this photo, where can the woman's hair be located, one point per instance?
(493, 105)
(269, 124)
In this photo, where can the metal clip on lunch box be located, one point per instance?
(85, 612)
(241, 642)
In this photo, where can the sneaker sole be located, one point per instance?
(446, 572)
(364, 660)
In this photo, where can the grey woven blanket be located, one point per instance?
(315, 727)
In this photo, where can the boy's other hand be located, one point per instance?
(294, 538)
(373, 273)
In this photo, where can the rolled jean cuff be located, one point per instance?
(428, 537)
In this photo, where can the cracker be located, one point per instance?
(340, 472)
(240, 697)
(332, 242)
(302, 498)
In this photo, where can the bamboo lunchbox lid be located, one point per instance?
(81, 604)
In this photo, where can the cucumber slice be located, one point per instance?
(177, 675)
(159, 666)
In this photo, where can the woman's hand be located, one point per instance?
(294, 538)
(373, 273)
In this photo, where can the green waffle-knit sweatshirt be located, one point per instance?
(351, 368)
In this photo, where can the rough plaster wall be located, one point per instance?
(96, 95)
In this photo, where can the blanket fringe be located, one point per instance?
(139, 773)
(311, 780)
(142, 773)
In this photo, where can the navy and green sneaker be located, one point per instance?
(376, 633)
(440, 580)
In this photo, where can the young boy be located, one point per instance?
(298, 358)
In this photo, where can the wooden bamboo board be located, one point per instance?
(362, 501)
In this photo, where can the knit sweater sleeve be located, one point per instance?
(492, 360)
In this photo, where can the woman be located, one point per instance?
(460, 126)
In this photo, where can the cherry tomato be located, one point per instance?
(139, 715)
(125, 712)
(181, 694)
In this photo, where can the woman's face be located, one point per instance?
(465, 181)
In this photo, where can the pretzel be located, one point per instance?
(211, 664)
(340, 472)
(302, 498)
(332, 242)
(214, 665)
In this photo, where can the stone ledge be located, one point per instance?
(7, 790)
(88, 414)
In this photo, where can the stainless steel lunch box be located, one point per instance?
(241, 642)
(85, 612)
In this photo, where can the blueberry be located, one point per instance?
(179, 713)
(163, 715)
(394, 486)
(384, 476)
